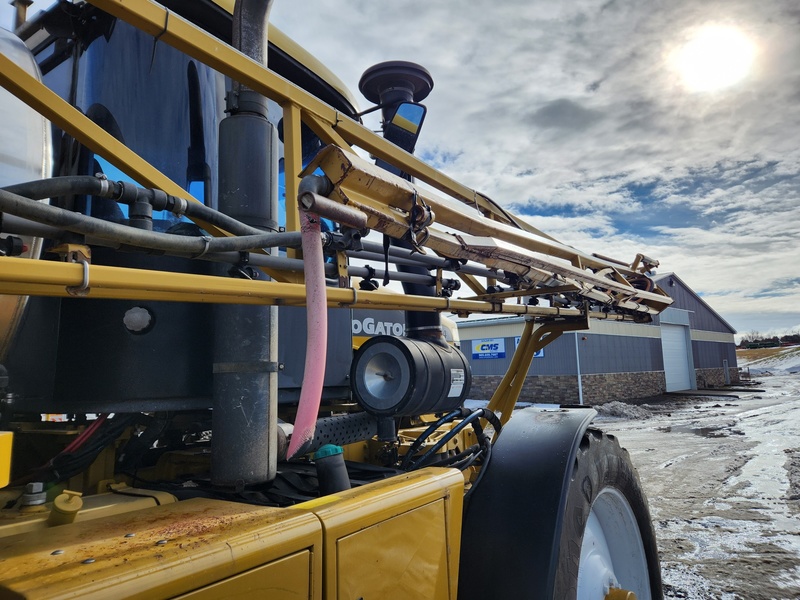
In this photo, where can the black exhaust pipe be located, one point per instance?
(244, 421)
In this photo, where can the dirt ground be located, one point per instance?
(722, 474)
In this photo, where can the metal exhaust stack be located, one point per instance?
(244, 421)
(21, 11)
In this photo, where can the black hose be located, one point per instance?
(64, 186)
(465, 463)
(472, 418)
(484, 467)
(127, 193)
(214, 217)
(373, 250)
(18, 226)
(445, 439)
(452, 461)
(78, 223)
(451, 416)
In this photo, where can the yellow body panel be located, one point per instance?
(13, 522)
(6, 437)
(398, 538)
(401, 558)
(283, 579)
(174, 549)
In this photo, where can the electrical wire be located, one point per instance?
(65, 465)
(111, 489)
(85, 434)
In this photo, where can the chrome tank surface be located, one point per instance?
(25, 155)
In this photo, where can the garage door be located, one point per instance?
(676, 357)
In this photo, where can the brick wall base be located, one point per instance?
(711, 378)
(563, 389)
(598, 388)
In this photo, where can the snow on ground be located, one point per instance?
(786, 360)
(723, 478)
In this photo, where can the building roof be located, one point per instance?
(661, 277)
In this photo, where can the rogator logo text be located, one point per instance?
(370, 326)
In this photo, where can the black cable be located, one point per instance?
(13, 502)
(451, 416)
(466, 463)
(447, 437)
(121, 493)
(484, 467)
(66, 465)
(464, 460)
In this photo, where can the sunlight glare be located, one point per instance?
(714, 58)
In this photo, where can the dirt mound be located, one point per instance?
(622, 410)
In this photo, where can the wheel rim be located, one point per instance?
(612, 552)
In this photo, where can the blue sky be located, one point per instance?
(577, 116)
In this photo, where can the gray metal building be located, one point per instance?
(688, 346)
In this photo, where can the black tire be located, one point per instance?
(601, 465)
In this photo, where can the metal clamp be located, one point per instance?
(76, 253)
(420, 217)
(207, 239)
(83, 288)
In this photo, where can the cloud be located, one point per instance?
(573, 115)
(565, 114)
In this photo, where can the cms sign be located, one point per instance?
(489, 348)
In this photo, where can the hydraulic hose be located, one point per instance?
(471, 418)
(128, 194)
(196, 246)
(64, 186)
(451, 416)
(374, 251)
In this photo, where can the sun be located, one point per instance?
(715, 57)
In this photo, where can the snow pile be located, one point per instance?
(622, 410)
(786, 360)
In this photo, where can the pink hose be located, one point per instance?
(317, 340)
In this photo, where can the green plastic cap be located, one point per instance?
(327, 450)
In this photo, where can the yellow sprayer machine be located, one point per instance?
(194, 224)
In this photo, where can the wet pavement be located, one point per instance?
(723, 477)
